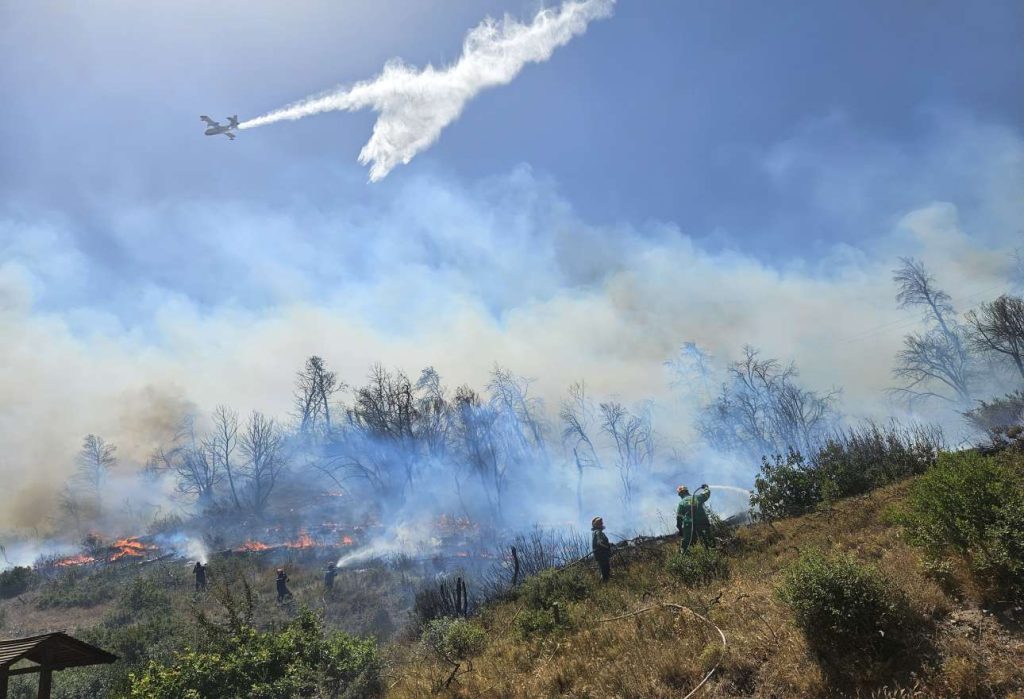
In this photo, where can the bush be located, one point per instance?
(842, 605)
(454, 640)
(1000, 414)
(972, 505)
(75, 588)
(553, 587)
(15, 581)
(698, 566)
(785, 487)
(531, 623)
(299, 660)
(847, 463)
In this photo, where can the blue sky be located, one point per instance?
(724, 172)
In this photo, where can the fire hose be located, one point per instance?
(680, 607)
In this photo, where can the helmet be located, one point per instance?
(683, 490)
(597, 523)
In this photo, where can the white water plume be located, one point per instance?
(415, 105)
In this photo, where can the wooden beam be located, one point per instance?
(3, 683)
(45, 683)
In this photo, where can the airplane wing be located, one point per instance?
(229, 135)
(209, 121)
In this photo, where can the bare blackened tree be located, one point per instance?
(197, 467)
(633, 437)
(385, 412)
(433, 414)
(315, 387)
(95, 459)
(577, 417)
(693, 365)
(225, 444)
(261, 444)
(509, 396)
(476, 429)
(192, 461)
(999, 327)
(762, 410)
(937, 362)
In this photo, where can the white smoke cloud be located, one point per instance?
(456, 276)
(415, 105)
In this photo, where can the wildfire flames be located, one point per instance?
(346, 540)
(254, 546)
(305, 541)
(130, 547)
(78, 560)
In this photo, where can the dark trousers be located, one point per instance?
(604, 564)
(690, 534)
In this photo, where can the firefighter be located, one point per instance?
(283, 592)
(691, 517)
(602, 548)
(200, 572)
(329, 574)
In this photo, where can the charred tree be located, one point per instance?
(261, 444)
(998, 327)
(936, 363)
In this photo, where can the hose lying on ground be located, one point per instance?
(680, 607)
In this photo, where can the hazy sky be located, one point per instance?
(723, 172)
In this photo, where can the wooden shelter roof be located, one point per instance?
(55, 650)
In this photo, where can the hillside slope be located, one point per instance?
(956, 647)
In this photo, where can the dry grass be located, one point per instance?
(958, 650)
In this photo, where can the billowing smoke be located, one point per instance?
(416, 104)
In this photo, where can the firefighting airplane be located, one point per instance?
(216, 128)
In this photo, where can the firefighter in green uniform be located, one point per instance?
(691, 517)
(602, 548)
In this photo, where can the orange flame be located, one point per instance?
(252, 545)
(77, 560)
(346, 540)
(130, 547)
(304, 541)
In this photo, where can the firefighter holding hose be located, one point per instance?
(691, 518)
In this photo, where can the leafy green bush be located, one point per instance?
(142, 598)
(847, 463)
(698, 566)
(454, 640)
(15, 581)
(77, 589)
(299, 660)
(973, 506)
(553, 587)
(785, 487)
(531, 623)
(842, 605)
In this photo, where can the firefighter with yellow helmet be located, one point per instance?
(602, 548)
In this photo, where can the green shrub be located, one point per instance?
(15, 581)
(972, 505)
(698, 566)
(847, 463)
(299, 660)
(785, 487)
(531, 623)
(454, 640)
(553, 587)
(75, 588)
(142, 598)
(842, 605)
